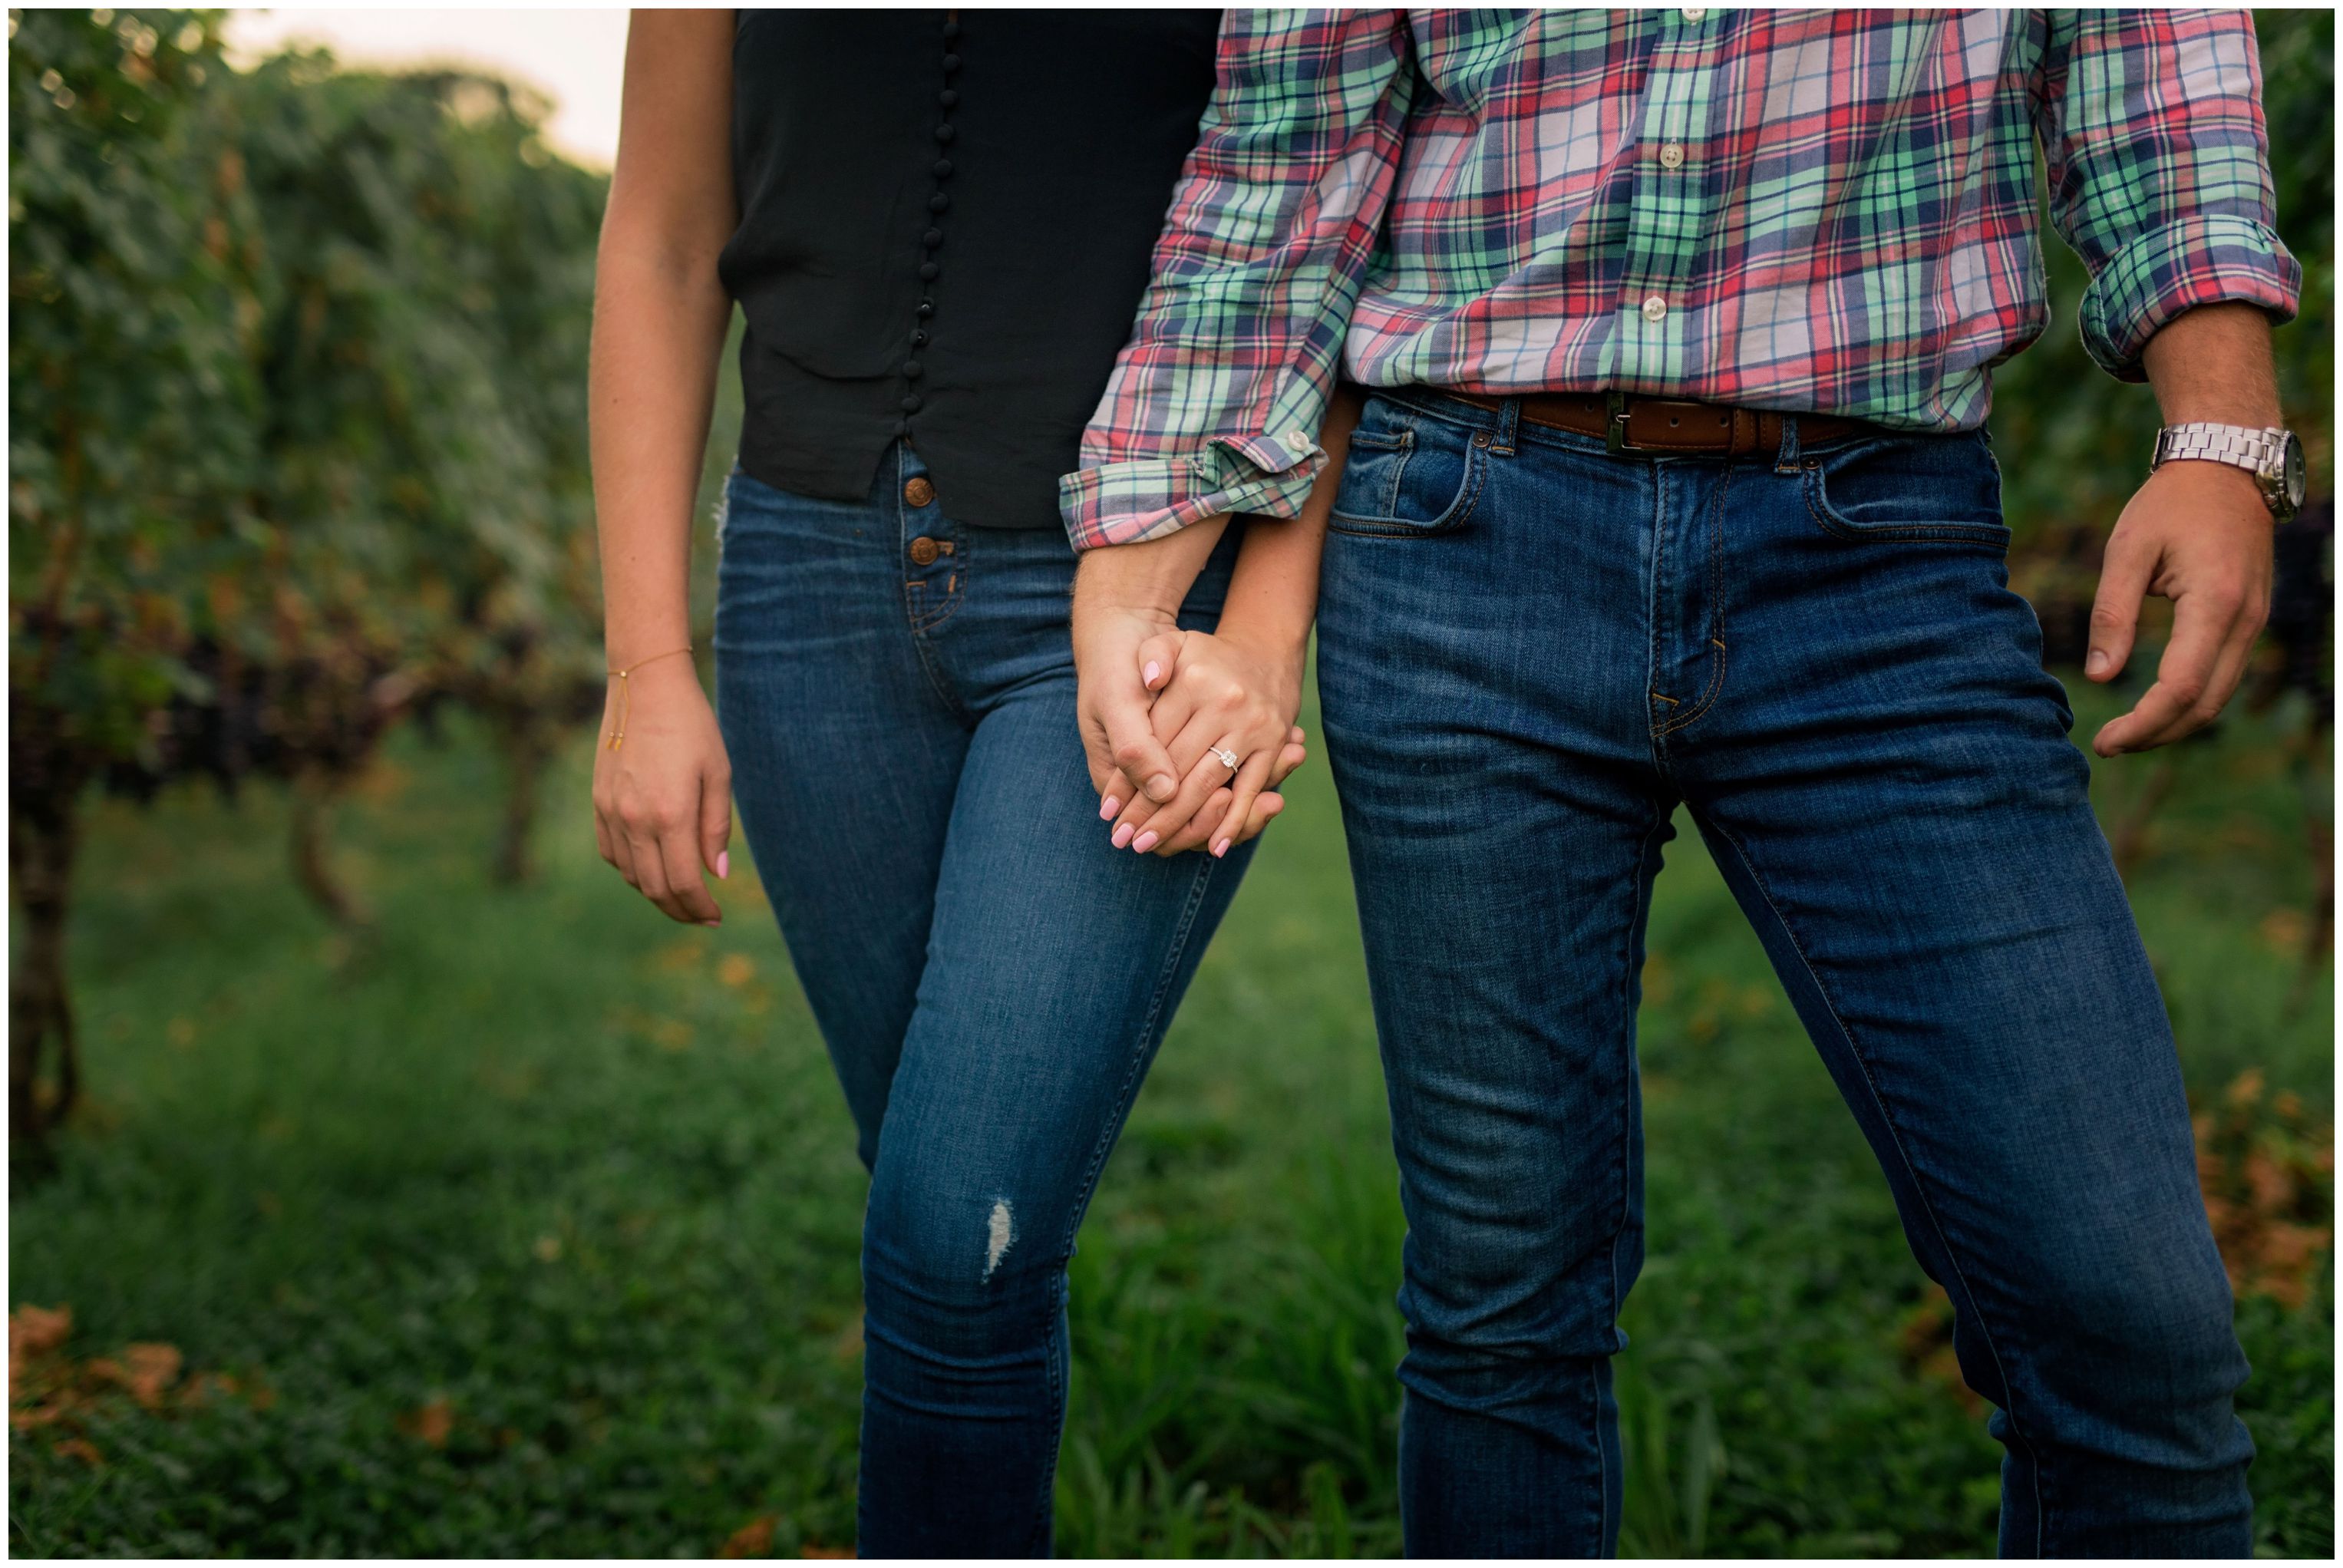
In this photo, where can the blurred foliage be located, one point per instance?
(297, 435)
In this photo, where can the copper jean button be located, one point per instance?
(919, 490)
(924, 551)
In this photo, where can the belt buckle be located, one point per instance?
(1615, 429)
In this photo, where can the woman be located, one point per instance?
(938, 232)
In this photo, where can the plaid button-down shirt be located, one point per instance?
(1820, 211)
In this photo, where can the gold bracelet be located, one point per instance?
(618, 733)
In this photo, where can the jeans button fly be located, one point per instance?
(919, 490)
(924, 552)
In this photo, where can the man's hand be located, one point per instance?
(1123, 594)
(2198, 534)
(1112, 701)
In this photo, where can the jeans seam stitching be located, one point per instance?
(1197, 889)
(1652, 607)
(1960, 1275)
(1716, 599)
(1618, 1303)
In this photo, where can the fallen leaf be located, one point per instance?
(737, 970)
(548, 1249)
(35, 1332)
(79, 1448)
(754, 1539)
(431, 1423)
(149, 1370)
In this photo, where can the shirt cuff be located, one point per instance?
(1142, 498)
(2209, 260)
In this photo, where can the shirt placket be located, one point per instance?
(1667, 212)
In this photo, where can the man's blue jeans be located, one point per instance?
(992, 977)
(1530, 652)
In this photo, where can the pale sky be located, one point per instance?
(573, 57)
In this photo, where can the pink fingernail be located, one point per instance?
(724, 864)
(1123, 835)
(712, 924)
(1109, 808)
(1146, 841)
(1152, 671)
(2096, 662)
(1220, 849)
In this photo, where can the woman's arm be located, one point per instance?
(662, 799)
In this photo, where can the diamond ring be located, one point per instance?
(1228, 759)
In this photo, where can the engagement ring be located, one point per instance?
(1228, 758)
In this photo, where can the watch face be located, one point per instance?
(2298, 473)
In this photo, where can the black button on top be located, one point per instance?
(945, 133)
(948, 98)
(938, 201)
(910, 404)
(952, 29)
(933, 238)
(930, 271)
(943, 168)
(927, 307)
(912, 367)
(952, 62)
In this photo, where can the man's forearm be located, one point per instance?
(1151, 577)
(2214, 364)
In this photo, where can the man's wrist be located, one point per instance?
(1152, 577)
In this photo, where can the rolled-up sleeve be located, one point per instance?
(2151, 122)
(1215, 402)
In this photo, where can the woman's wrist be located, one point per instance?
(1282, 648)
(626, 649)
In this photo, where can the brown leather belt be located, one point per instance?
(1631, 424)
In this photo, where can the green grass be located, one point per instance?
(584, 1177)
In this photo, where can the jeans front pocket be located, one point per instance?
(1407, 476)
(1913, 489)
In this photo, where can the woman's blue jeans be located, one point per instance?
(992, 976)
(1530, 651)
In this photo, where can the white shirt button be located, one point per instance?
(1655, 307)
(1694, 13)
(1672, 156)
(1297, 440)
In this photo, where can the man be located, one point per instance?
(1671, 488)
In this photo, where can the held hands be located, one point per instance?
(2198, 534)
(663, 799)
(1158, 705)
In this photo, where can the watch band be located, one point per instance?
(2272, 456)
(2240, 446)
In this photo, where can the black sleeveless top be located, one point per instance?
(945, 229)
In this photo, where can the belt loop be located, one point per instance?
(1786, 460)
(1509, 419)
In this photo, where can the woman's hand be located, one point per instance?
(663, 799)
(1215, 694)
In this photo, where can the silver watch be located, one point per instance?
(2274, 457)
